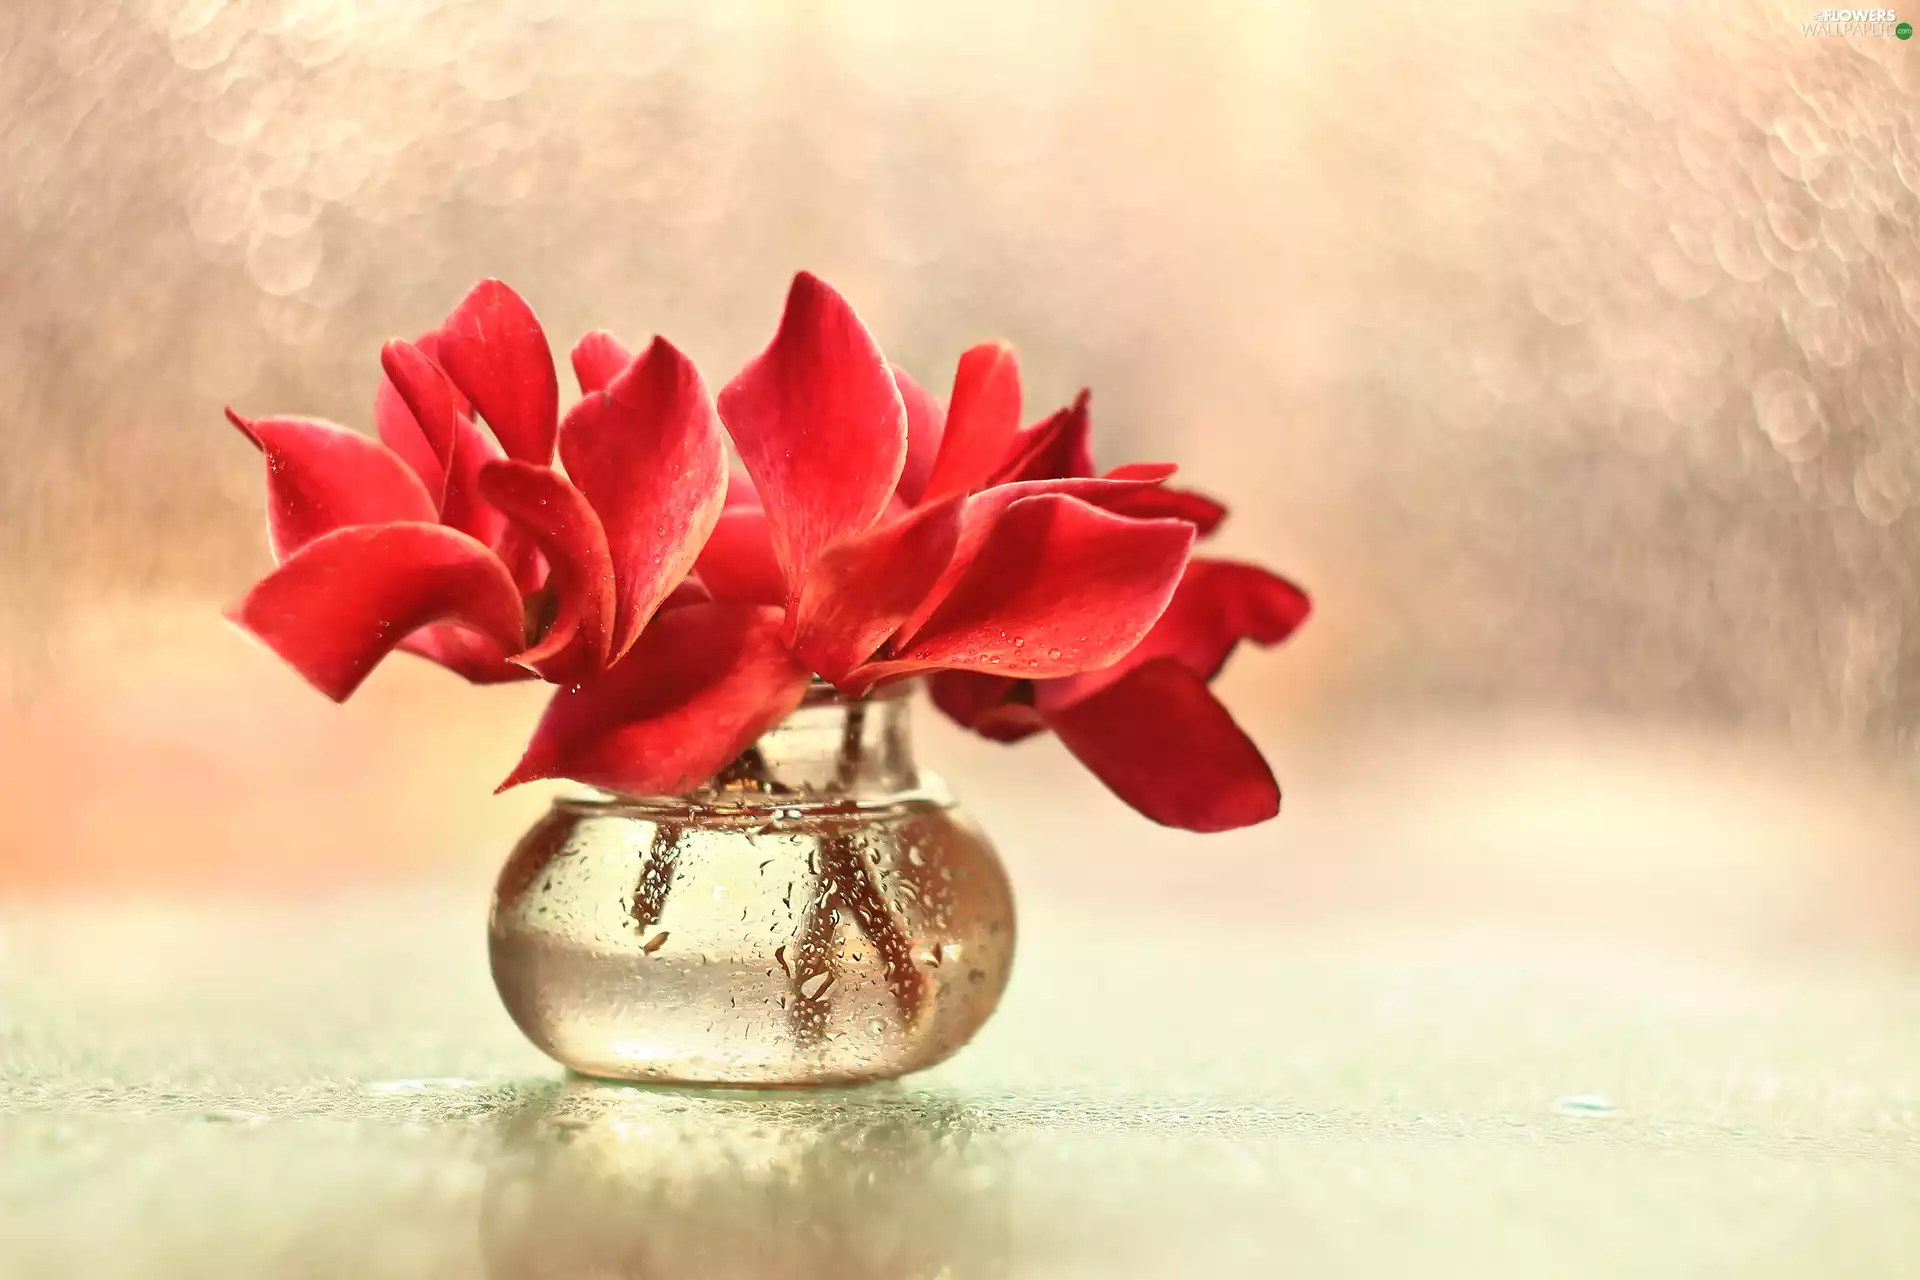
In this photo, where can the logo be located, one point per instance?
(1857, 22)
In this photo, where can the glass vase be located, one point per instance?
(820, 913)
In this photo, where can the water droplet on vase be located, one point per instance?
(816, 986)
(656, 942)
(1584, 1104)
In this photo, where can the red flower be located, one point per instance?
(1147, 725)
(684, 610)
(865, 587)
(471, 550)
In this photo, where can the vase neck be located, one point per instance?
(830, 748)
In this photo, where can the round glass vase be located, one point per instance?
(820, 913)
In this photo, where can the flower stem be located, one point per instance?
(656, 878)
(847, 878)
(852, 736)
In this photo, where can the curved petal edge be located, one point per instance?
(702, 684)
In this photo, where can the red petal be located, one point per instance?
(464, 509)
(520, 552)
(322, 477)
(400, 433)
(820, 425)
(1050, 450)
(467, 654)
(343, 601)
(1198, 510)
(429, 401)
(1143, 471)
(690, 591)
(984, 509)
(649, 454)
(701, 685)
(992, 706)
(1219, 603)
(558, 518)
(925, 422)
(495, 352)
(429, 344)
(1058, 587)
(740, 490)
(598, 359)
(865, 587)
(1161, 742)
(982, 420)
(737, 563)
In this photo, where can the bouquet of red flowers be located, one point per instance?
(682, 606)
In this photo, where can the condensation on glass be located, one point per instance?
(819, 913)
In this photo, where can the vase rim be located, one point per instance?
(752, 807)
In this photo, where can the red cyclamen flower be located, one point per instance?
(1147, 725)
(873, 537)
(473, 551)
(857, 586)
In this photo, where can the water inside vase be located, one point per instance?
(812, 924)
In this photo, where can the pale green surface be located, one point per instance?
(227, 1093)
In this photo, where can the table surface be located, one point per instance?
(331, 1089)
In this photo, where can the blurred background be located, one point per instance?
(1568, 353)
